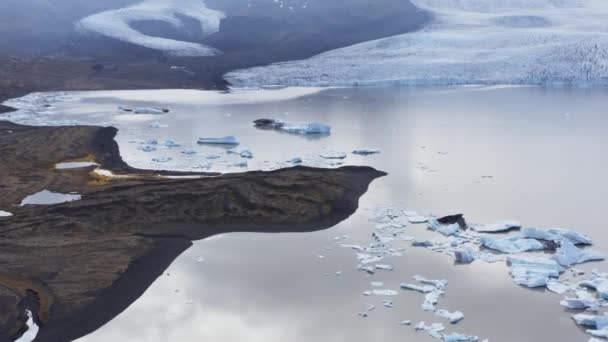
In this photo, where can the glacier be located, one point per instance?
(116, 24)
(532, 42)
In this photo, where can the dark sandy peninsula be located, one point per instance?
(77, 265)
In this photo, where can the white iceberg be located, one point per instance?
(366, 151)
(294, 128)
(116, 24)
(445, 229)
(419, 288)
(332, 155)
(46, 197)
(434, 330)
(556, 235)
(453, 317)
(599, 284)
(599, 323)
(148, 110)
(568, 254)
(583, 301)
(455, 337)
(512, 245)
(497, 227)
(464, 255)
(228, 140)
(242, 152)
(384, 292)
(533, 271)
(557, 287)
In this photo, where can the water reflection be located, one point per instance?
(545, 153)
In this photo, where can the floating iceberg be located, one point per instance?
(146, 110)
(459, 338)
(468, 42)
(557, 287)
(568, 255)
(533, 271)
(243, 153)
(453, 317)
(599, 284)
(583, 301)
(332, 155)
(366, 151)
(434, 330)
(445, 229)
(229, 140)
(162, 159)
(116, 24)
(294, 128)
(556, 235)
(497, 227)
(599, 323)
(512, 245)
(464, 256)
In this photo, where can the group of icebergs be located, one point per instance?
(466, 243)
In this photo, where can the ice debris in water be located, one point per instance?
(512, 245)
(464, 255)
(434, 329)
(143, 110)
(294, 128)
(171, 144)
(46, 197)
(366, 151)
(243, 153)
(453, 317)
(332, 155)
(189, 152)
(296, 160)
(557, 287)
(568, 254)
(460, 338)
(147, 148)
(448, 225)
(598, 323)
(162, 159)
(228, 140)
(533, 271)
(556, 235)
(5, 214)
(584, 300)
(497, 227)
(384, 292)
(599, 284)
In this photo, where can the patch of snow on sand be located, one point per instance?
(554, 42)
(116, 24)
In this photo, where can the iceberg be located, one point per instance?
(464, 256)
(534, 42)
(445, 229)
(162, 159)
(557, 287)
(434, 330)
(599, 323)
(228, 140)
(420, 288)
(453, 317)
(332, 155)
(243, 153)
(384, 292)
(116, 24)
(568, 254)
(459, 338)
(497, 227)
(533, 271)
(512, 245)
(366, 151)
(556, 235)
(147, 110)
(294, 128)
(599, 284)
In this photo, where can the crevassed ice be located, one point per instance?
(116, 24)
(555, 42)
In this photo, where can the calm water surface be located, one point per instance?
(545, 151)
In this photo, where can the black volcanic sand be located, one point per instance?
(77, 265)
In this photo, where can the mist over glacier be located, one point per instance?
(556, 42)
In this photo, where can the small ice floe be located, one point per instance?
(295, 161)
(5, 214)
(568, 254)
(147, 148)
(556, 235)
(332, 155)
(243, 153)
(46, 197)
(533, 271)
(512, 245)
(170, 144)
(189, 152)
(464, 255)
(434, 330)
(455, 337)
(431, 299)
(422, 243)
(448, 225)
(294, 128)
(419, 288)
(453, 317)
(599, 284)
(155, 125)
(240, 164)
(598, 323)
(74, 165)
(497, 227)
(148, 110)
(557, 287)
(162, 159)
(406, 322)
(417, 219)
(388, 303)
(228, 140)
(377, 284)
(32, 329)
(584, 300)
(383, 267)
(205, 166)
(366, 151)
(390, 293)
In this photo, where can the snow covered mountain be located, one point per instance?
(469, 41)
(117, 24)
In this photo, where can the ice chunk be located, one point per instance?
(568, 254)
(147, 148)
(384, 292)
(46, 197)
(434, 330)
(422, 243)
(294, 128)
(533, 271)
(366, 151)
(557, 287)
(296, 160)
(464, 256)
(377, 283)
(455, 337)
(147, 110)
(189, 152)
(431, 299)
(497, 227)
(155, 124)
(32, 329)
(512, 245)
(597, 322)
(5, 214)
(228, 140)
(244, 153)
(453, 317)
(599, 284)
(171, 144)
(333, 155)
(445, 229)
(556, 235)
(440, 284)
(162, 159)
(419, 288)
(383, 267)
(406, 322)
(418, 219)
(388, 303)
(583, 301)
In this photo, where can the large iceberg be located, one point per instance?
(116, 24)
(469, 41)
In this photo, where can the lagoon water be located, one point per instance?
(531, 154)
